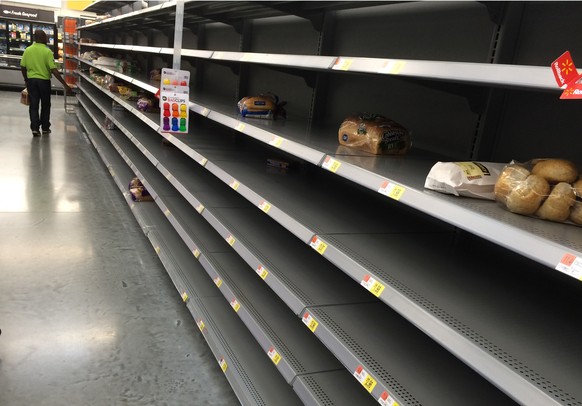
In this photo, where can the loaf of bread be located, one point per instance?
(508, 180)
(262, 106)
(556, 170)
(528, 195)
(375, 134)
(557, 206)
(576, 213)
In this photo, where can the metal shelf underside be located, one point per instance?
(234, 216)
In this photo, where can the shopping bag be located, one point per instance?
(24, 99)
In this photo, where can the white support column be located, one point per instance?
(178, 29)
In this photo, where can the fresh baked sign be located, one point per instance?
(567, 77)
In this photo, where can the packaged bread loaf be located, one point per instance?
(548, 189)
(469, 179)
(374, 133)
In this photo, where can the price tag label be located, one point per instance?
(391, 190)
(331, 164)
(343, 64)
(386, 400)
(200, 325)
(167, 212)
(234, 184)
(200, 208)
(246, 57)
(274, 355)
(222, 364)
(392, 67)
(318, 245)
(196, 253)
(240, 127)
(184, 296)
(571, 265)
(168, 176)
(310, 322)
(231, 240)
(262, 272)
(205, 112)
(132, 205)
(235, 305)
(265, 206)
(276, 141)
(364, 378)
(217, 281)
(372, 285)
(157, 249)
(218, 55)
(203, 161)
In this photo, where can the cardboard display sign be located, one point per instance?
(174, 101)
(567, 77)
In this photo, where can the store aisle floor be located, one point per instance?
(88, 314)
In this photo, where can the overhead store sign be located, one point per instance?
(29, 14)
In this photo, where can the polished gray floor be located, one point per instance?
(87, 312)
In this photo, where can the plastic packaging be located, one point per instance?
(469, 179)
(374, 133)
(262, 106)
(138, 191)
(549, 189)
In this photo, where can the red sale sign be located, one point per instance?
(567, 77)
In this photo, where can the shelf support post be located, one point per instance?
(178, 28)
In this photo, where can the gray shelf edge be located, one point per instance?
(329, 340)
(219, 352)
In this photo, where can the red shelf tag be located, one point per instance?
(567, 77)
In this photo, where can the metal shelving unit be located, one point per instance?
(308, 237)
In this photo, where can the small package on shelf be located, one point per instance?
(374, 133)
(138, 191)
(469, 179)
(156, 75)
(146, 104)
(110, 125)
(117, 107)
(549, 189)
(262, 106)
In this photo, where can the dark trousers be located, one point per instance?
(39, 92)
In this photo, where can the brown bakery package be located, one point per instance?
(549, 189)
(374, 133)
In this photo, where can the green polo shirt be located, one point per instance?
(38, 60)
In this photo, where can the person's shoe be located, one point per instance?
(46, 132)
(36, 133)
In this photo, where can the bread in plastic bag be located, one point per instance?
(469, 179)
(262, 106)
(548, 189)
(374, 133)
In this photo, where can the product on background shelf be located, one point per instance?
(109, 124)
(548, 189)
(262, 106)
(138, 191)
(470, 179)
(146, 104)
(156, 75)
(374, 133)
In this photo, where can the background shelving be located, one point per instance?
(463, 96)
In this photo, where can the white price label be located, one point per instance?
(318, 245)
(222, 364)
(203, 161)
(200, 208)
(231, 240)
(184, 296)
(200, 325)
(343, 64)
(205, 112)
(391, 190)
(196, 253)
(331, 164)
(276, 141)
(234, 184)
(571, 265)
(372, 285)
(386, 400)
(240, 127)
(365, 379)
(235, 305)
(392, 67)
(217, 281)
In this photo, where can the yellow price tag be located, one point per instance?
(240, 127)
(375, 287)
(369, 383)
(157, 249)
(343, 64)
(386, 400)
(235, 305)
(217, 281)
(223, 365)
(276, 141)
(203, 161)
(200, 208)
(184, 297)
(274, 355)
(318, 245)
(201, 325)
(262, 272)
(167, 212)
(265, 206)
(365, 379)
(310, 322)
(196, 253)
(231, 240)
(234, 184)
(331, 164)
(391, 190)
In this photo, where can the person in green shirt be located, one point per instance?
(37, 65)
